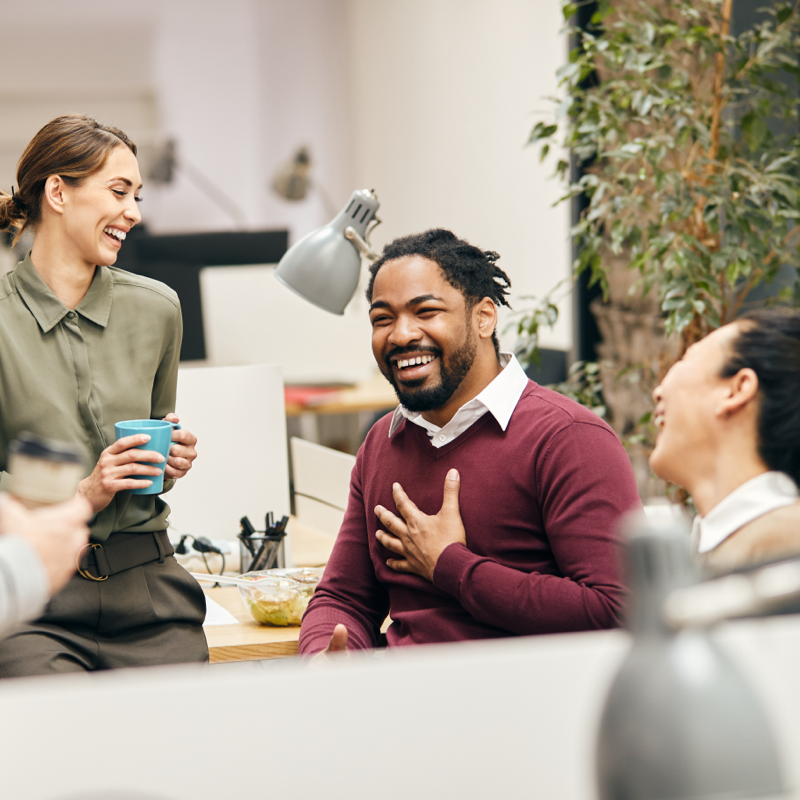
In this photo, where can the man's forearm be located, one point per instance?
(320, 620)
(524, 603)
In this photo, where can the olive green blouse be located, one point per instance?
(70, 375)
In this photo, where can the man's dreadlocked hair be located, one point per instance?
(474, 272)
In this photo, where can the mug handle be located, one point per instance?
(176, 426)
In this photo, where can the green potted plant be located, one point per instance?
(688, 137)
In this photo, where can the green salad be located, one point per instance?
(279, 596)
(285, 607)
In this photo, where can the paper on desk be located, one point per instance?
(217, 615)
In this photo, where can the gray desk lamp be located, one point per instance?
(294, 181)
(325, 265)
(680, 721)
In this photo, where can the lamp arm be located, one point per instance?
(762, 591)
(213, 192)
(360, 244)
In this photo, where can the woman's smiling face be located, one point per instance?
(687, 401)
(99, 213)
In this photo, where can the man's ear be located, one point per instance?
(486, 312)
(54, 195)
(742, 388)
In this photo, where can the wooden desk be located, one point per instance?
(309, 547)
(370, 396)
(355, 405)
(247, 641)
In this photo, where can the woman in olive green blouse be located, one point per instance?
(84, 345)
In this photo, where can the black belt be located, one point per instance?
(122, 551)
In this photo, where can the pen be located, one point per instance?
(269, 550)
(263, 559)
(281, 526)
(247, 531)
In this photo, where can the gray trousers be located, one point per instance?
(148, 615)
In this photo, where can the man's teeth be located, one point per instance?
(116, 232)
(412, 362)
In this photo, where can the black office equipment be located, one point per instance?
(176, 259)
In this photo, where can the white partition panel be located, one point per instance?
(319, 516)
(509, 719)
(238, 416)
(251, 318)
(321, 484)
(321, 472)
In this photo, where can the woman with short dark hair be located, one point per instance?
(84, 345)
(728, 420)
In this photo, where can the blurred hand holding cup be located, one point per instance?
(160, 433)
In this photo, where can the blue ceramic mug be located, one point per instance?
(160, 433)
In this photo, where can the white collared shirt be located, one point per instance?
(752, 499)
(500, 397)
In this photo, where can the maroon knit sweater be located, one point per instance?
(539, 501)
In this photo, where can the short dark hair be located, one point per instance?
(474, 272)
(769, 344)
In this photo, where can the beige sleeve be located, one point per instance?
(24, 586)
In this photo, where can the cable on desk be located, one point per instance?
(201, 545)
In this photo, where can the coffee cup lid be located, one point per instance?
(29, 444)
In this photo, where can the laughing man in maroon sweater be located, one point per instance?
(485, 505)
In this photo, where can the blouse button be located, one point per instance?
(442, 437)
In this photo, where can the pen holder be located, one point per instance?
(261, 551)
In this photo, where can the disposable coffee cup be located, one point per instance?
(160, 433)
(43, 471)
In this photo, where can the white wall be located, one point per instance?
(206, 71)
(427, 101)
(238, 83)
(242, 84)
(446, 93)
(304, 58)
(63, 58)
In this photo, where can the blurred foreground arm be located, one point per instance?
(38, 552)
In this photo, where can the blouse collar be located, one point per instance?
(752, 499)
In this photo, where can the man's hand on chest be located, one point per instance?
(415, 539)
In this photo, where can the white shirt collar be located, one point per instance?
(500, 398)
(752, 499)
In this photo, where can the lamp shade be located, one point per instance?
(681, 720)
(325, 265)
(292, 181)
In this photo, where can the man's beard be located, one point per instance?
(450, 377)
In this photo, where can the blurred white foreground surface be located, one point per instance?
(513, 718)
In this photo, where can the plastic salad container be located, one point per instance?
(279, 596)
